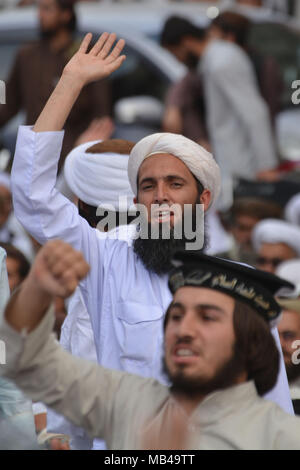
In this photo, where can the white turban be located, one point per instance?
(98, 179)
(292, 210)
(290, 271)
(200, 162)
(276, 231)
(5, 180)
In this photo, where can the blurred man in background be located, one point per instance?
(232, 27)
(16, 417)
(184, 105)
(275, 241)
(17, 266)
(37, 69)
(11, 231)
(240, 221)
(237, 117)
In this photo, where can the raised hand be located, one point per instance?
(56, 271)
(99, 62)
(83, 68)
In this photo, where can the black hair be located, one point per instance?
(17, 255)
(175, 28)
(235, 23)
(68, 5)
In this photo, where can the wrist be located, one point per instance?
(32, 288)
(71, 82)
(27, 306)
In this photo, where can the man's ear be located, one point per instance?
(205, 198)
(135, 200)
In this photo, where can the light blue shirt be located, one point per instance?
(126, 302)
(17, 429)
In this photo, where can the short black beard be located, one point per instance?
(156, 254)
(292, 372)
(47, 35)
(192, 61)
(225, 377)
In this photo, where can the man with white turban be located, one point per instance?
(126, 291)
(275, 241)
(96, 172)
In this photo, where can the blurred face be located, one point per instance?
(165, 180)
(289, 331)
(51, 17)
(199, 336)
(271, 255)
(5, 205)
(180, 51)
(214, 32)
(242, 230)
(14, 278)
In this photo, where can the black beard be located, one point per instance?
(48, 34)
(224, 377)
(191, 61)
(156, 254)
(292, 371)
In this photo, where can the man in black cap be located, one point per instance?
(219, 355)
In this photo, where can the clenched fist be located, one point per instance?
(58, 269)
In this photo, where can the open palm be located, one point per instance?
(99, 62)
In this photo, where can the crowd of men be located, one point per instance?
(189, 316)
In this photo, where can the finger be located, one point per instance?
(116, 51)
(81, 269)
(61, 265)
(107, 46)
(68, 282)
(99, 44)
(69, 260)
(85, 43)
(57, 444)
(56, 252)
(115, 65)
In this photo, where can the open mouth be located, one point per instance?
(184, 355)
(162, 215)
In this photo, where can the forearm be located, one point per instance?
(59, 105)
(27, 306)
(82, 391)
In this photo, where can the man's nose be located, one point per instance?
(187, 326)
(161, 193)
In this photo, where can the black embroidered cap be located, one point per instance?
(252, 286)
